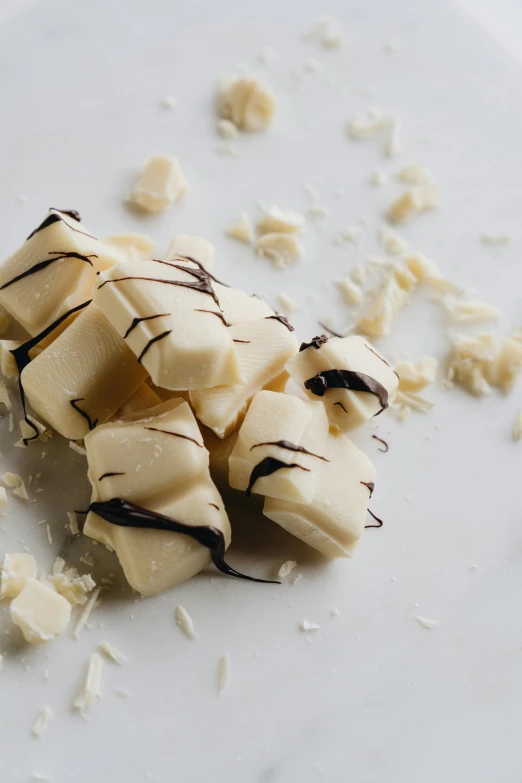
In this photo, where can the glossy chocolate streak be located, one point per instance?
(48, 261)
(175, 434)
(151, 343)
(202, 287)
(340, 405)
(331, 331)
(369, 484)
(316, 343)
(201, 275)
(281, 319)
(347, 379)
(247, 342)
(136, 321)
(92, 424)
(55, 218)
(266, 467)
(22, 359)
(378, 355)
(109, 475)
(125, 514)
(198, 263)
(386, 447)
(285, 444)
(379, 521)
(214, 506)
(213, 312)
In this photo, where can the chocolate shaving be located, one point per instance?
(331, 331)
(125, 514)
(285, 444)
(151, 343)
(56, 218)
(369, 484)
(281, 319)
(386, 447)
(316, 343)
(92, 424)
(266, 467)
(175, 434)
(59, 255)
(380, 523)
(136, 321)
(213, 312)
(347, 379)
(22, 359)
(109, 475)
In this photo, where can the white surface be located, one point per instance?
(372, 696)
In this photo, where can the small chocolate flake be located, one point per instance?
(281, 319)
(316, 343)
(369, 484)
(386, 447)
(379, 521)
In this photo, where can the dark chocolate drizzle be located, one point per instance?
(380, 523)
(175, 434)
(109, 475)
(378, 355)
(59, 255)
(386, 447)
(327, 328)
(282, 319)
(340, 405)
(92, 424)
(22, 359)
(213, 312)
(151, 343)
(369, 484)
(266, 467)
(201, 275)
(125, 514)
(316, 342)
(136, 321)
(198, 263)
(347, 379)
(214, 506)
(55, 218)
(286, 444)
(247, 342)
(203, 286)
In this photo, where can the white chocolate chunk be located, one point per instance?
(132, 247)
(174, 329)
(189, 246)
(469, 311)
(89, 364)
(58, 264)
(17, 568)
(226, 129)
(160, 184)
(71, 585)
(242, 230)
(262, 347)
(286, 568)
(143, 398)
(40, 612)
(346, 408)
(282, 249)
(237, 306)
(334, 520)
(273, 418)
(391, 241)
(247, 101)
(415, 377)
(276, 221)
(413, 203)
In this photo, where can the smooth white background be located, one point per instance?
(372, 697)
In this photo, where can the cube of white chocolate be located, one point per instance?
(53, 271)
(188, 246)
(83, 376)
(334, 521)
(262, 347)
(280, 448)
(160, 183)
(349, 375)
(40, 612)
(169, 315)
(238, 306)
(17, 568)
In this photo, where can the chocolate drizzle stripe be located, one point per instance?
(281, 319)
(246, 342)
(266, 467)
(47, 262)
(151, 343)
(380, 523)
(109, 475)
(286, 444)
(331, 331)
(21, 357)
(204, 289)
(214, 506)
(92, 424)
(56, 218)
(201, 275)
(340, 405)
(350, 380)
(316, 343)
(369, 484)
(386, 447)
(213, 312)
(198, 263)
(125, 514)
(136, 321)
(378, 355)
(176, 435)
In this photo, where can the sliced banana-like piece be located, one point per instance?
(83, 377)
(348, 374)
(189, 246)
(169, 315)
(334, 521)
(263, 347)
(280, 447)
(53, 271)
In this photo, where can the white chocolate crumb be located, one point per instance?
(42, 721)
(11, 479)
(297, 578)
(286, 568)
(88, 559)
(160, 183)
(350, 291)
(351, 235)
(494, 239)
(114, 655)
(281, 249)
(392, 145)
(484, 361)
(266, 55)
(307, 625)
(49, 534)
(413, 203)
(11, 423)
(517, 426)
(469, 311)
(77, 448)
(312, 65)
(277, 221)
(391, 241)
(73, 523)
(392, 46)
(86, 612)
(318, 211)
(327, 33)
(185, 622)
(242, 229)
(123, 693)
(5, 400)
(415, 175)
(378, 178)
(40, 612)
(335, 612)
(3, 497)
(168, 102)
(426, 623)
(91, 689)
(247, 101)
(223, 672)
(226, 129)
(21, 492)
(287, 304)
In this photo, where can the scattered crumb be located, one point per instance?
(335, 612)
(297, 578)
(280, 248)
(483, 361)
(469, 311)
(112, 653)
(247, 101)
(223, 672)
(168, 102)
(229, 150)
(494, 239)
(378, 178)
(391, 241)
(11, 479)
(287, 304)
(3, 497)
(226, 129)
(266, 55)
(42, 721)
(242, 229)
(5, 400)
(123, 693)
(517, 426)
(184, 620)
(350, 291)
(75, 446)
(306, 625)
(277, 221)
(392, 145)
(286, 568)
(21, 492)
(415, 175)
(327, 33)
(91, 689)
(392, 47)
(413, 203)
(86, 612)
(351, 235)
(160, 183)
(426, 623)
(88, 559)
(73, 522)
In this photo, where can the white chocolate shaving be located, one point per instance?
(91, 689)
(114, 655)
(275, 221)
(426, 623)
(223, 672)
(286, 568)
(42, 721)
(86, 612)
(517, 426)
(17, 568)
(242, 230)
(185, 622)
(413, 203)
(247, 101)
(307, 625)
(281, 249)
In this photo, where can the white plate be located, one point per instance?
(372, 696)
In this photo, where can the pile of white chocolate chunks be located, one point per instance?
(178, 385)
